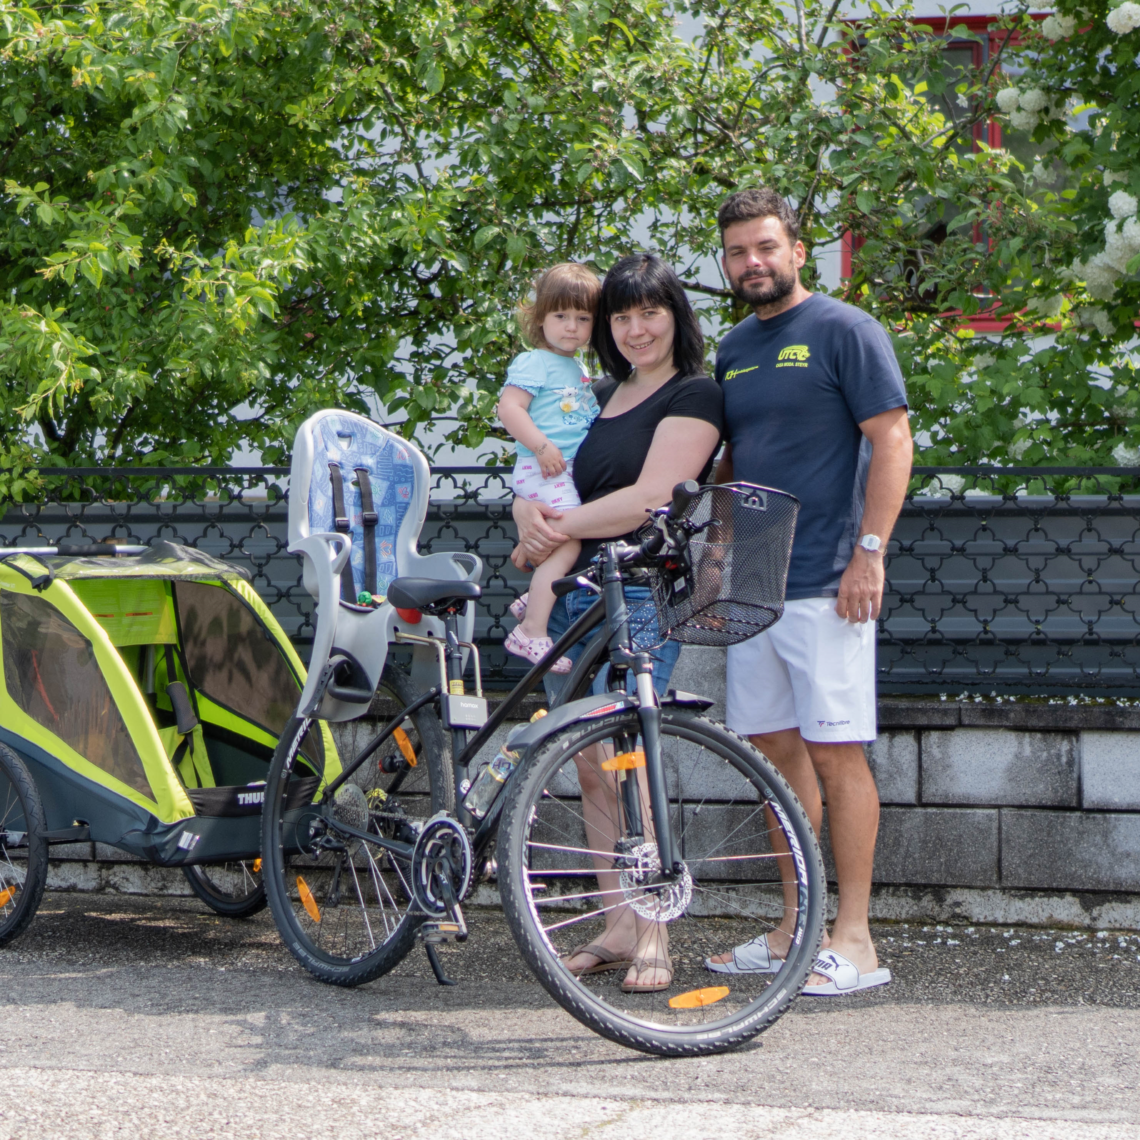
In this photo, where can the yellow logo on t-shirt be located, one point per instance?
(732, 373)
(794, 356)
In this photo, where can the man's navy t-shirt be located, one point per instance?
(796, 388)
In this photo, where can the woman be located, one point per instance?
(660, 424)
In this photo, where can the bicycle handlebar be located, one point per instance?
(683, 494)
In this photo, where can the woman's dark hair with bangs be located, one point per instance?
(638, 281)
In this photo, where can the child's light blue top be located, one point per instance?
(563, 406)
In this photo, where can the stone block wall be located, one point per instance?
(1004, 811)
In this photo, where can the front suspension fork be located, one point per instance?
(649, 715)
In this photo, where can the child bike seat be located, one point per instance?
(358, 496)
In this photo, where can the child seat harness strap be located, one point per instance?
(343, 525)
(369, 518)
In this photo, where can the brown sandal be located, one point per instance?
(640, 964)
(607, 959)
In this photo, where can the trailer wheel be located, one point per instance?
(233, 889)
(23, 848)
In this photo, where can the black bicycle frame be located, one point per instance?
(609, 609)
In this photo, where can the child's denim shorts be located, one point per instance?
(570, 608)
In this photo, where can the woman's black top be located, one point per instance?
(614, 451)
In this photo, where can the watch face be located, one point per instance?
(870, 542)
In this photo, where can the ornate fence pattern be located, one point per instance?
(1014, 580)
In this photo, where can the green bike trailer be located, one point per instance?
(141, 697)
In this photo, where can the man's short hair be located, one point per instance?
(760, 202)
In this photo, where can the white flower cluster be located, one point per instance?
(1007, 99)
(1056, 28)
(1111, 176)
(1126, 456)
(1124, 19)
(1048, 306)
(1097, 318)
(1122, 411)
(1026, 108)
(1121, 244)
(1122, 204)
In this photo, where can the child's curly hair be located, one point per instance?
(564, 286)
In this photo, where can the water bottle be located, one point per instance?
(485, 790)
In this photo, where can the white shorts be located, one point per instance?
(528, 482)
(813, 670)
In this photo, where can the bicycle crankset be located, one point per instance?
(657, 901)
(441, 865)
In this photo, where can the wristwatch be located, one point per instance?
(871, 543)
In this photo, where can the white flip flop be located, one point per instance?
(844, 975)
(753, 957)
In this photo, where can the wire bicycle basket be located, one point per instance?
(733, 586)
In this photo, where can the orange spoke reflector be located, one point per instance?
(7, 896)
(257, 866)
(310, 903)
(624, 761)
(405, 746)
(694, 999)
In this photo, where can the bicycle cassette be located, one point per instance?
(442, 855)
(660, 902)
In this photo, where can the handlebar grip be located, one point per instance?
(683, 494)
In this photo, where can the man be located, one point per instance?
(815, 405)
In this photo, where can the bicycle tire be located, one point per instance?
(537, 880)
(23, 848)
(232, 890)
(303, 885)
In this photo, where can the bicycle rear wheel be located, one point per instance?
(23, 849)
(342, 904)
(579, 869)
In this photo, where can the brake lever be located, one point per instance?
(692, 530)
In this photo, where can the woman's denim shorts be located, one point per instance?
(570, 608)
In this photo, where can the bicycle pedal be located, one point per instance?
(435, 933)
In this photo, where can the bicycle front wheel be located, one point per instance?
(580, 868)
(342, 903)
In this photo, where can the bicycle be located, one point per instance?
(358, 867)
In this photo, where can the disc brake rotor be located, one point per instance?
(661, 902)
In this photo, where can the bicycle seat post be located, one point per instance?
(454, 657)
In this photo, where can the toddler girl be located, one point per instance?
(547, 405)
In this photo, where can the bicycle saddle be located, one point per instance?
(431, 593)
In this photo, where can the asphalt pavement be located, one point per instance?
(126, 1016)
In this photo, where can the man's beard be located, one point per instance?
(765, 290)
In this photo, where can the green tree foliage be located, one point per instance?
(219, 216)
(1079, 100)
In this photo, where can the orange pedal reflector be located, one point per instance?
(405, 747)
(257, 866)
(694, 999)
(624, 761)
(310, 903)
(8, 895)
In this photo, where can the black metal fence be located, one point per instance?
(1007, 580)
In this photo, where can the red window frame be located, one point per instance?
(988, 132)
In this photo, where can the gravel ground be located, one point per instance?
(127, 1016)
